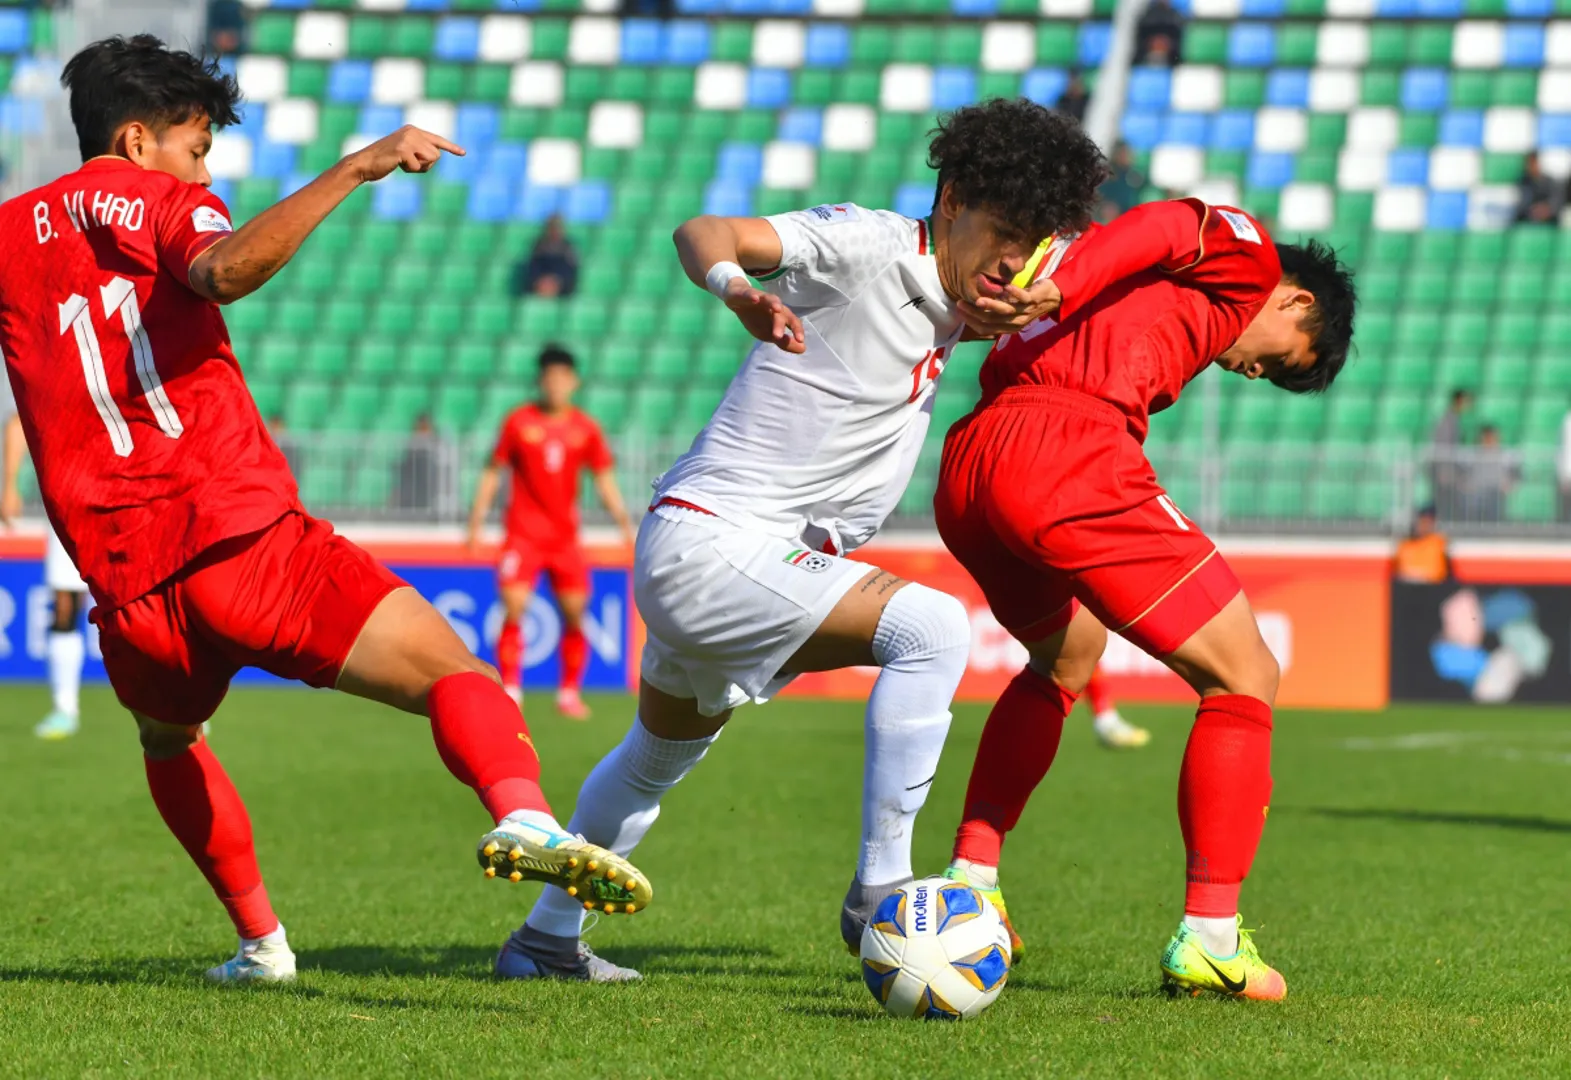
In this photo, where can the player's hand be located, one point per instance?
(10, 507)
(1012, 310)
(766, 316)
(408, 148)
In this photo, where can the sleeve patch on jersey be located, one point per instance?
(205, 219)
(834, 213)
(1242, 227)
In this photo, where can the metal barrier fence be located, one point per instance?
(1239, 490)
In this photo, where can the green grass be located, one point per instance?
(1414, 891)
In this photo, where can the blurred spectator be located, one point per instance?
(1122, 188)
(1563, 468)
(1445, 471)
(1075, 98)
(552, 266)
(1491, 472)
(286, 442)
(1539, 197)
(658, 9)
(225, 27)
(417, 472)
(1159, 35)
(1423, 557)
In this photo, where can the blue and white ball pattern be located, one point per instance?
(936, 949)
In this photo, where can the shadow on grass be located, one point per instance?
(474, 961)
(1525, 823)
(179, 973)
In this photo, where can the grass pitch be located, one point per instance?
(1413, 887)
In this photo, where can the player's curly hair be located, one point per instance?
(118, 80)
(1313, 265)
(1035, 169)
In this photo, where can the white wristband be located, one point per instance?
(720, 275)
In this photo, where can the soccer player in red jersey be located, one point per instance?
(1112, 730)
(1046, 497)
(546, 445)
(162, 482)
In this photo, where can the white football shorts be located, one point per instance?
(726, 607)
(59, 571)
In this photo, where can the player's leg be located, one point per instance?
(510, 640)
(920, 639)
(1112, 730)
(570, 581)
(65, 646)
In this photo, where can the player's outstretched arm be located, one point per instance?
(714, 252)
(14, 442)
(611, 499)
(485, 495)
(240, 264)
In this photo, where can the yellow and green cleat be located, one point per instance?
(598, 878)
(995, 896)
(1189, 967)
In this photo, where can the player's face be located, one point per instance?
(179, 150)
(1275, 342)
(558, 383)
(979, 256)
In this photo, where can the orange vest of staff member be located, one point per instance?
(1422, 557)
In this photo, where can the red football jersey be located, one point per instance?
(148, 446)
(1149, 302)
(545, 454)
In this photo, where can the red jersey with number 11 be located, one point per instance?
(148, 447)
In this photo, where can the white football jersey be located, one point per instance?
(820, 446)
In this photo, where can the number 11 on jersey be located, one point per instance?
(75, 317)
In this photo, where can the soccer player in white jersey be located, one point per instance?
(740, 570)
(65, 648)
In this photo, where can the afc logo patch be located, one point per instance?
(814, 562)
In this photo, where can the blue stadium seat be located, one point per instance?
(272, 160)
(1263, 9)
(643, 41)
(349, 82)
(380, 119)
(1233, 129)
(506, 161)
(728, 199)
(536, 203)
(741, 164)
(1441, 9)
(1141, 130)
(253, 117)
(442, 5)
(491, 199)
(686, 42)
(1408, 166)
(457, 39)
(1288, 88)
(1044, 85)
(768, 88)
(1150, 87)
(588, 201)
(397, 198)
(1530, 9)
(1554, 129)
(975, 9)
(1425, 89)
(477, 126)
(1524, 45)
(1251, 45)
(828, 45)
(801, 124)
(953, 87)
(914, 200)
(1093, 42)
(1188, 129)
(14, 31)
(700, 7)
(1447, 210)
(1462, 127)
(1270, 170)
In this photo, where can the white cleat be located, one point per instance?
(261, 961)
(1116, 733)
(571, 704)
(516, 693)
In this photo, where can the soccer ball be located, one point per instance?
(936, 949)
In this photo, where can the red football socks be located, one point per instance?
(204, 811)
(1224, 793)
(575, 656)
(1098, 694)
(510, 654)
(1018, 745)
(485, 743)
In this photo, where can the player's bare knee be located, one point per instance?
(164, 741)
(1070, 659)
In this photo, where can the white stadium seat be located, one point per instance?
(849, 127)
(720, 86)
(321, 35)
(536, 84)
(505, 39)
(616, 124)
(1306, 207)
(906, 88)
(779, 43)
(592, 39)
(555, 162)
(789, 165)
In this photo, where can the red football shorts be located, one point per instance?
(1047, 500)
(522, 562)
(290, 599)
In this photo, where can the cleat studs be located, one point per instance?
(632, 884)
(515, 876)
(489, 850)
(516, 854)
(572, 890)
(589, 905)
(572, 863)
(593, 866)
(610, 909)
(490, 871)
(632, 908)
(610, 875)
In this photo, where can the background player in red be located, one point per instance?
(1112, 730)
(161, 480)
(546, 444)
(1045, 495)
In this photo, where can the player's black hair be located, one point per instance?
(1329, 321)
(554, 355)
(1035, 169)
(118, 80)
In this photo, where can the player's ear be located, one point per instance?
(949, 202)
(133, 141)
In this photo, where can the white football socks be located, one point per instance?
(618, 803)
(65, 652)
(1219, 936)
(922, 642)
(977, 875)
